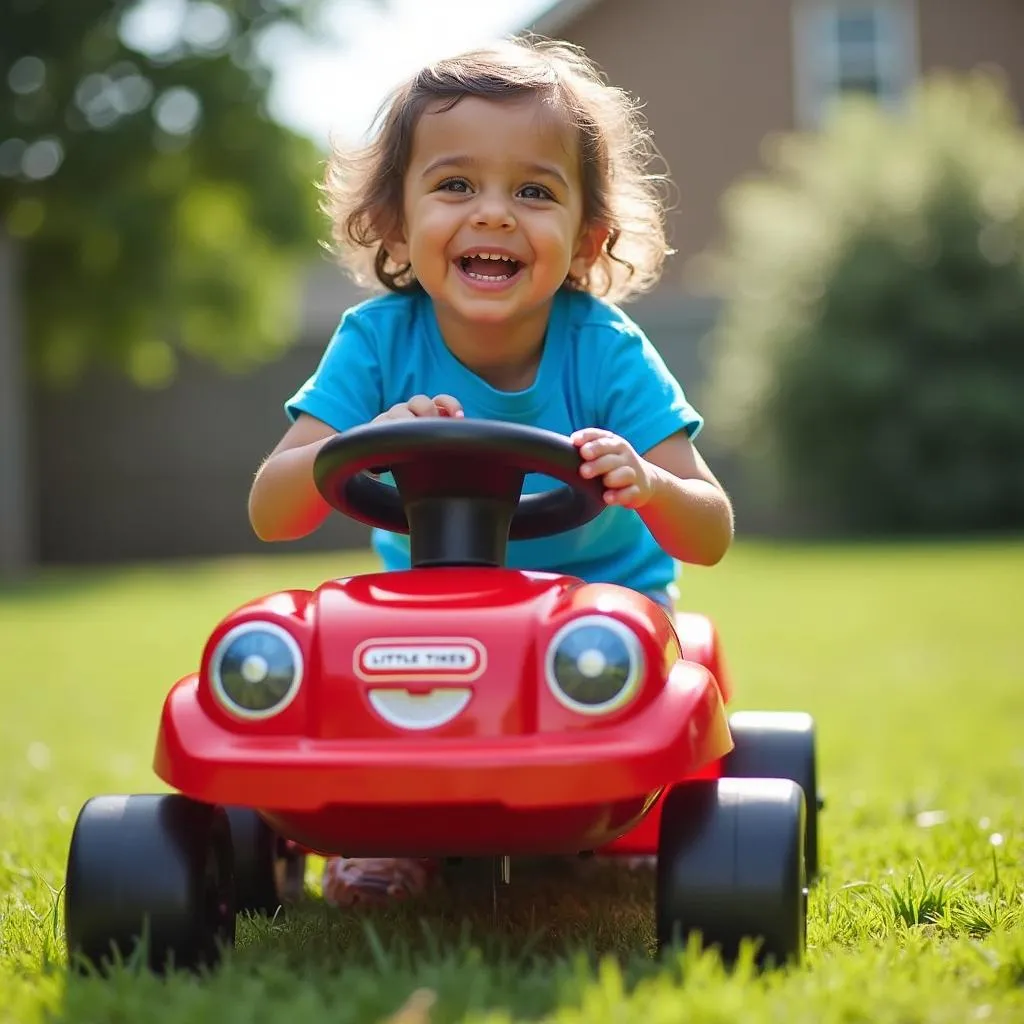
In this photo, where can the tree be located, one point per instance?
(871, 354)
(157, 207)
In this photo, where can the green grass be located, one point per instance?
(911, 659)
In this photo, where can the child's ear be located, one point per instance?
(392, 237)
(588, 248)
(398, 249)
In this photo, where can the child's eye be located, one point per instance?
(535, 192)
(453, 185)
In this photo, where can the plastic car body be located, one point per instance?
(428, 720)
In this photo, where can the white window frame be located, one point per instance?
(818, 59)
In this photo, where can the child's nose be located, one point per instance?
(493, 211)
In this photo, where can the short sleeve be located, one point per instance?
(639, 398)
(345, 390)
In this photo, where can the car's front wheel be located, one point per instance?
(731, 867)
(153, 872)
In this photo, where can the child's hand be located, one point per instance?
(420, 405)
(628, 477)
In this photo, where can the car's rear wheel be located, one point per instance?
(149, 870)
(268, 874)
(731, 867)
(779, 745)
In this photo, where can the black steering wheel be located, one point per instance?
(459, 485)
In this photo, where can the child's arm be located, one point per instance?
(688, 513)
(284, 503)
(671, 487)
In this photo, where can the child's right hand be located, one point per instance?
(420, 405)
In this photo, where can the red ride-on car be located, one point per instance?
(457, 709)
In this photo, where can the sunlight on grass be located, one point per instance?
(910, 659)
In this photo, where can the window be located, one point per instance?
(852, 46)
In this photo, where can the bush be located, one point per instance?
(870, 356)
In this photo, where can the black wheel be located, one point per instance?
(156, 868)
(267, 875)
(779, 745)
(731, 866)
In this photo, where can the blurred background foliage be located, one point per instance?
(869, 364)
(156, 207)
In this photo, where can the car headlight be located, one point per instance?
(594, 664)
(256, 670)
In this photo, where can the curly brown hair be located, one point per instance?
(363, 188)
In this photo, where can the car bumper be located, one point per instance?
(673, 737)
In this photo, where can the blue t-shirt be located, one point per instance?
(597, 369)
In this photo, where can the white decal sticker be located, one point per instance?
(409, 658)
(381, 659)
(410, 711)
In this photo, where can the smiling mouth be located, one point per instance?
(489, 269)
(406, 710)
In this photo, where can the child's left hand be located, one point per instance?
(627, 476)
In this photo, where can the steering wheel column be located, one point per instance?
(458, 515)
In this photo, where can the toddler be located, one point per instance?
(505, 206)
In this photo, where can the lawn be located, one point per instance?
(911, 659)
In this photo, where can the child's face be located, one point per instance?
(498, 179)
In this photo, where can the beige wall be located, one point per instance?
(963, 34)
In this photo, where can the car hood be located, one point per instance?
(453, 650)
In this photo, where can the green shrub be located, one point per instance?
(869, 361)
